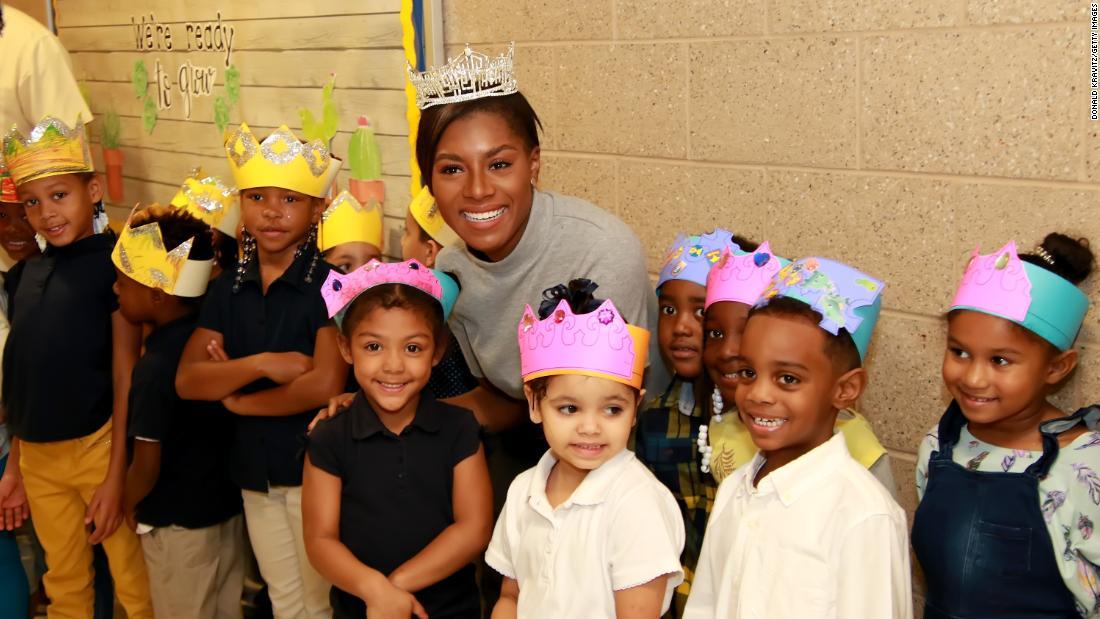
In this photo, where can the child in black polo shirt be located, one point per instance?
(67, 365)
(266, 348)
(178, 491)
(396, 500)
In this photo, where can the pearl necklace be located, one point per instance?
(703, 442)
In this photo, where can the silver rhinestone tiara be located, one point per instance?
(472, 75)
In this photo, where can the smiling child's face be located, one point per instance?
(61, 207)
(722, 328)
(788, 391)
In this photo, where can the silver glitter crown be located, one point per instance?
(472, 75)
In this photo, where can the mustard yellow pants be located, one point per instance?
(60, 479)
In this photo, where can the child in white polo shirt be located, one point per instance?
(589, 531)
(804, 531)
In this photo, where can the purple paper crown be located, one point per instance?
(690, 258)
(599, 343)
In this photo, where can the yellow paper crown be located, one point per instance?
(52, 148)
(281, 160)
(426, 213)
(209, 200)
(346, 221)
(141, 255)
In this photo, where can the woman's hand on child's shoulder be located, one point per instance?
(336, 405)
(284, 367)
(391, 602)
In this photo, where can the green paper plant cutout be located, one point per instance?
(140, 81)
(112, 129)
(149, 115)
(232, 96)
(325, 129)
(232, 85)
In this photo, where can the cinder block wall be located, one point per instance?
(894, 135)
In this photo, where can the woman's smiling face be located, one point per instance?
(483, 181)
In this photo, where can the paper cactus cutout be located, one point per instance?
(364, 155)
(112, 129)
(325, 128)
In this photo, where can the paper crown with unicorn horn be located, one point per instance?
(690, 258)
(339, 290)
(846, 298)
(1001, 284)
(141, 255)
(206, 198)
(741, 276)
(599, 343)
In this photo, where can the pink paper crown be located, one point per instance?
(340, 290)
(996, 283)
(742, 278)
(599, 343)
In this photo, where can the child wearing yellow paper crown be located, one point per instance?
(350, 234)
(266, 348)
(70, 452)
(178, 491)
(211, 201)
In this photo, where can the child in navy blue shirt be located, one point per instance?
(178, 491)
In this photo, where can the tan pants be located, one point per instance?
(274, 520)
(196, 573)
(60, 479)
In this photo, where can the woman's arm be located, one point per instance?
(493, 410)
(321, 526)
(641, 602)
(105, 508)
(463, 541)
(327, 378)
(202, 377)
(507, 606)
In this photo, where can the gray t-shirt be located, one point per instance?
(565, 238)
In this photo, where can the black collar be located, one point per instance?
(294, 275)
(365, 422)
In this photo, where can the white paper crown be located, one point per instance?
(472, 75)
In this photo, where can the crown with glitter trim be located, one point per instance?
(140, 254)
(280, 160)
(7, 186)
(53, 148)
(599, 343)
(426, 213)
(472, 75)
(340, 290)
(347, 221)
(845, 298)
(742, 277)
(209, 200)
(1002, 285)
(690, 258)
